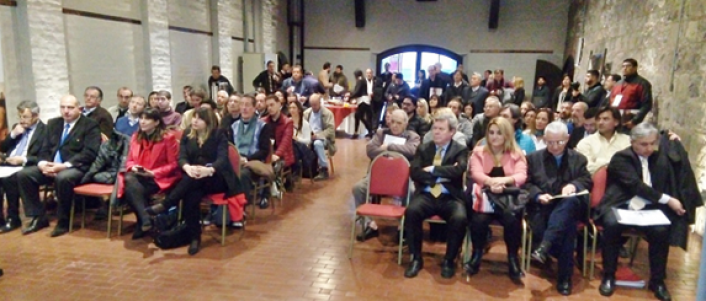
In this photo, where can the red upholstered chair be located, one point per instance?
(597, 192)
(103, 191)
(388, 175)
(219, 198)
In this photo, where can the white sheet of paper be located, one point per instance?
(641, 217)
(6, 171)
(616, 101)
(580, 193)
(389, 140)
(337, 88)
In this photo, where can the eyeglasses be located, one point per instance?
(552, 143)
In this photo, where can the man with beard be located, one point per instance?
(594, 93)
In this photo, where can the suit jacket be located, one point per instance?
(453, 91)
(214, 151)
(162, 161)
(453, 165)
(576, 135)
(264, 80)
(477, 98)
(34, 146)
(80, 147)
(544, 176)
(104, 120)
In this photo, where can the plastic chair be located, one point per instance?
(234, 158)
(103, 191)
(388, 174)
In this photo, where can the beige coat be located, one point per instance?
(329, 130)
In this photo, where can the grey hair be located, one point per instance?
(448, 116)
(476, 74)
(28, 104)
(401, 113)
(557, 127)
(494, 99)
(642, 130)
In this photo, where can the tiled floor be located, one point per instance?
(298, 253)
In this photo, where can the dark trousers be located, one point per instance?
(137, 191)
(556, 223)
(192, 191)
(364, 113)
(512, 230)
(378, 113)
(29, 180)
(247, 177)
(423, 206)
(657, 237)
(10, 187)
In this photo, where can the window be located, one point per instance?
(409, 59)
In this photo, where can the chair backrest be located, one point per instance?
(177, 133)
(389, 175)
(234, 158)
(600, 179)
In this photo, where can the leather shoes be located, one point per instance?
(12, 224)
(514, 267)
(473, 266)
(448, 268)
(368, 233)
(155, 209)
(563, 286)
(59, 231)
(195, 246)
(607, 287)
(660, 291)
(540, 254)
(414, 267)
(37, 223)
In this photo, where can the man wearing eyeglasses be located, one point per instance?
(633, 95)
(93, 96)
(551, 172)
(119, 110)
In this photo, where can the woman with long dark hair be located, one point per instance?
(151, 166)
(203, 157)
(562, 93)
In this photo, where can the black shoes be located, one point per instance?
(367, 233)
(540, 254)
(414, 267)
(37, 223)
(660, 291)
(514, 268)
(563, 286)
(195, 246)
(155, 209)
(264, 203)
(11, 224)
(448, 268)
(607, 287)
(472, 267)
(323, 175)
(59, 231)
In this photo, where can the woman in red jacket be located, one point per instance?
(151, 166)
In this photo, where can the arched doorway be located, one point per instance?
(410, 58)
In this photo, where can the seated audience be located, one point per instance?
(415, 124)
(322, 133)
(301, 130)
(480, 121)
(468, 111)
(600, 147)
(184, 105)
(562, 93)
(92, 109)
(296, 85)
(119, 110)
(282, 130)
(152, 100)
(21, 148)
(423, 111)
(170, 118)
(584, 121)
(150, 168)
(221, 99)
(526, 106)
(214, 107)
(197, 97)
(433, 105)
(543, 118)
(376, 146)
(437, 171)
(71, 145)
(528, 121)
(231, 111)
(553, 171)
(129, 123)
(511, 112)
(104, 170)
(494, 167)
(260, 105)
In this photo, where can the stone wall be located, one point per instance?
(653, 32)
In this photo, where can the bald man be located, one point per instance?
(70, 147)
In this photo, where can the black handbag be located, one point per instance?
(512, 200)
(175, 237)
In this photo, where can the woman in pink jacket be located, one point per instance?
(495, 166)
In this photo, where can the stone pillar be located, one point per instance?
(47, 56)
(269, 25)
(224, 18)
(155, 23)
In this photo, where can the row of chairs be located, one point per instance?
(389, 175)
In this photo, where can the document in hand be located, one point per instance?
(389, 140)
(561, 196)
(641, 217)
(6, 171)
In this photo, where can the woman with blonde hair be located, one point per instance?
(519, 95)
(423, 110)
(495, 166)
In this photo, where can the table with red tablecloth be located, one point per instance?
(340, 112)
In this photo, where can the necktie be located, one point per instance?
(637, 203)
(57, 157)
(23, 143)
(436, 189)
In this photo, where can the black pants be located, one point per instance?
(192, 191)
(657, 237)
(512, 230)
(423, 206)
(364, 113)
(137, 191)
(378, 114)
(29, 180)
(10, 187)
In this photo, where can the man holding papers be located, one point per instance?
(637, 180)
(21, 149)
(395, 139)
(555, 176)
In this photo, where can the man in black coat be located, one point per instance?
(71, 145)
(458, 88)
(268, 80)
(477, 94)
(93, 96)
(637, 180)
(553, 171)
(21, 148)
(594, 93)
(437, 171)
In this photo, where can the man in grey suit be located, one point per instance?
(477, 94)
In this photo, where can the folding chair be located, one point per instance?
(388, 174)
(599, 185)
(260, 184)
(103, 191)
(234, 158)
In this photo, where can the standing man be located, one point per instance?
(93, 110)
(22, 147)
(325, 77)
(498, 85)
(459, 88)
(477, 94)
(633, 95)
(541, 95)
(71, 145)
(594, 93)
(323, 133)
(295, 85)
(268, 81)
(128, 124)
(608, 85)
(338, 79)
(119, 110)
(219, 81)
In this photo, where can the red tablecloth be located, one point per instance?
(340, 113)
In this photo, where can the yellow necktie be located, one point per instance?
(436, 189)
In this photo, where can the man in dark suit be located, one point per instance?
(437, 171)
(636, 180)
(583, 126)
(267, 81)
(556, 170)
(477, 94)
(458, 88)
(93, 110)
(71, 145)
(21, 148)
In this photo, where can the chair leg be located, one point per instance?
(330, 164)
(120, 221)
(350, 249)
(593, 251)
(635, 241)
(401, 243)
(585, 251)
(181, 203)
(83, 214)
(71, 216)
(224, 226)
(524, 245)
(110, 218)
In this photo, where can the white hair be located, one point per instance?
(642, 130)
(557, 127)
